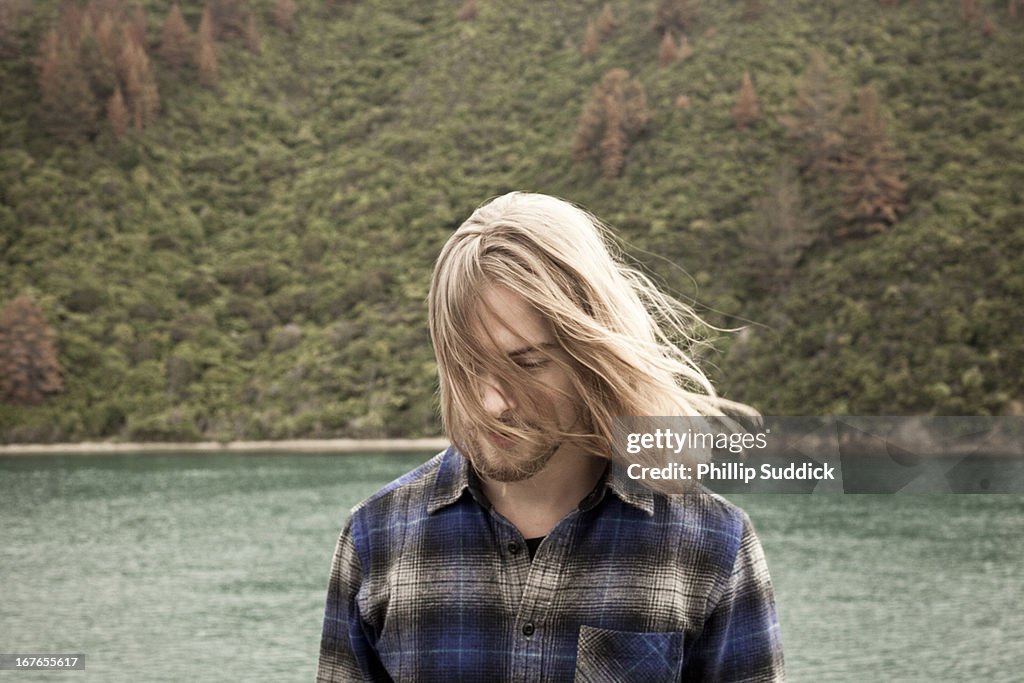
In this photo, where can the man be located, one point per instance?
(523, 552)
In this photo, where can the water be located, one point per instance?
(214, 567)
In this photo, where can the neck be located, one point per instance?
(536, 505)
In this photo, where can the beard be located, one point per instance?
(517, 461)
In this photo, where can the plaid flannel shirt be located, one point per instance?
(429, 583)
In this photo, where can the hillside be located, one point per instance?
(254, 263)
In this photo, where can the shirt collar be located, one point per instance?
(455, 476)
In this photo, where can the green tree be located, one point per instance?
(816, 116)
(781, 230)
(68, 109)
(675, 15)
(9, 43)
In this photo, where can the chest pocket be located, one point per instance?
(604, 655)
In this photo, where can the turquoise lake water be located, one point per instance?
(214, 568)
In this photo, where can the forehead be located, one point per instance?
(507, 323)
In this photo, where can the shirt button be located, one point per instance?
(528, 629)
(513, 548)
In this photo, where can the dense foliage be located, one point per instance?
(253, 261)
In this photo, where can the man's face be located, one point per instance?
(516, 331)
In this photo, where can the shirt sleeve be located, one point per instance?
(347, 651)
(740, 640)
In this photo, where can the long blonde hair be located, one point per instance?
(630, 343)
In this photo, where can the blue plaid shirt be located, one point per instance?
(429, 583)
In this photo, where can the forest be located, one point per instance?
(218, 218)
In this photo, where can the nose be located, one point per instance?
(495, 399)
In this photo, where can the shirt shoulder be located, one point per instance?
(413, 486)
(710, 523)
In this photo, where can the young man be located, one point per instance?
(523, 552)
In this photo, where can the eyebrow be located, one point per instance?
(531, 349)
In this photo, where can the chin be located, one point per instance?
(492, 462)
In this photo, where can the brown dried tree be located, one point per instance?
(469, 11)
(176, 39)
(614, 115)
(667, 50)
(284, 15)
(136, 25)
(746, 110)
(253, 42)
(29, 366)
(138, 80)
(871, 171)
(117, 115)
(606, 21)
(206, 58)
(591, 41)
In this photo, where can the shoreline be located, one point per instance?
(286, 446)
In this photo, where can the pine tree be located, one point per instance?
(69, 23)
(746, 110)
(252, 35)
(781, 231)
(614, 115)
(591, 41)
(117, 115)
(206, 59)
(816, 116)
(228, 17)
(138, 81)
(99, 69)
(469, 11)
(675, 15)
(136, 26)
(176, 41)
(606, 21)
(871, 171)
(68, 109)
(987, 27)
(284, 15)
(614, 142)
(10, 46)
(970, 12)
(29, 367)
(684, 51)
(667, 50)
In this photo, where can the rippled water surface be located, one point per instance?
(214, 567)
